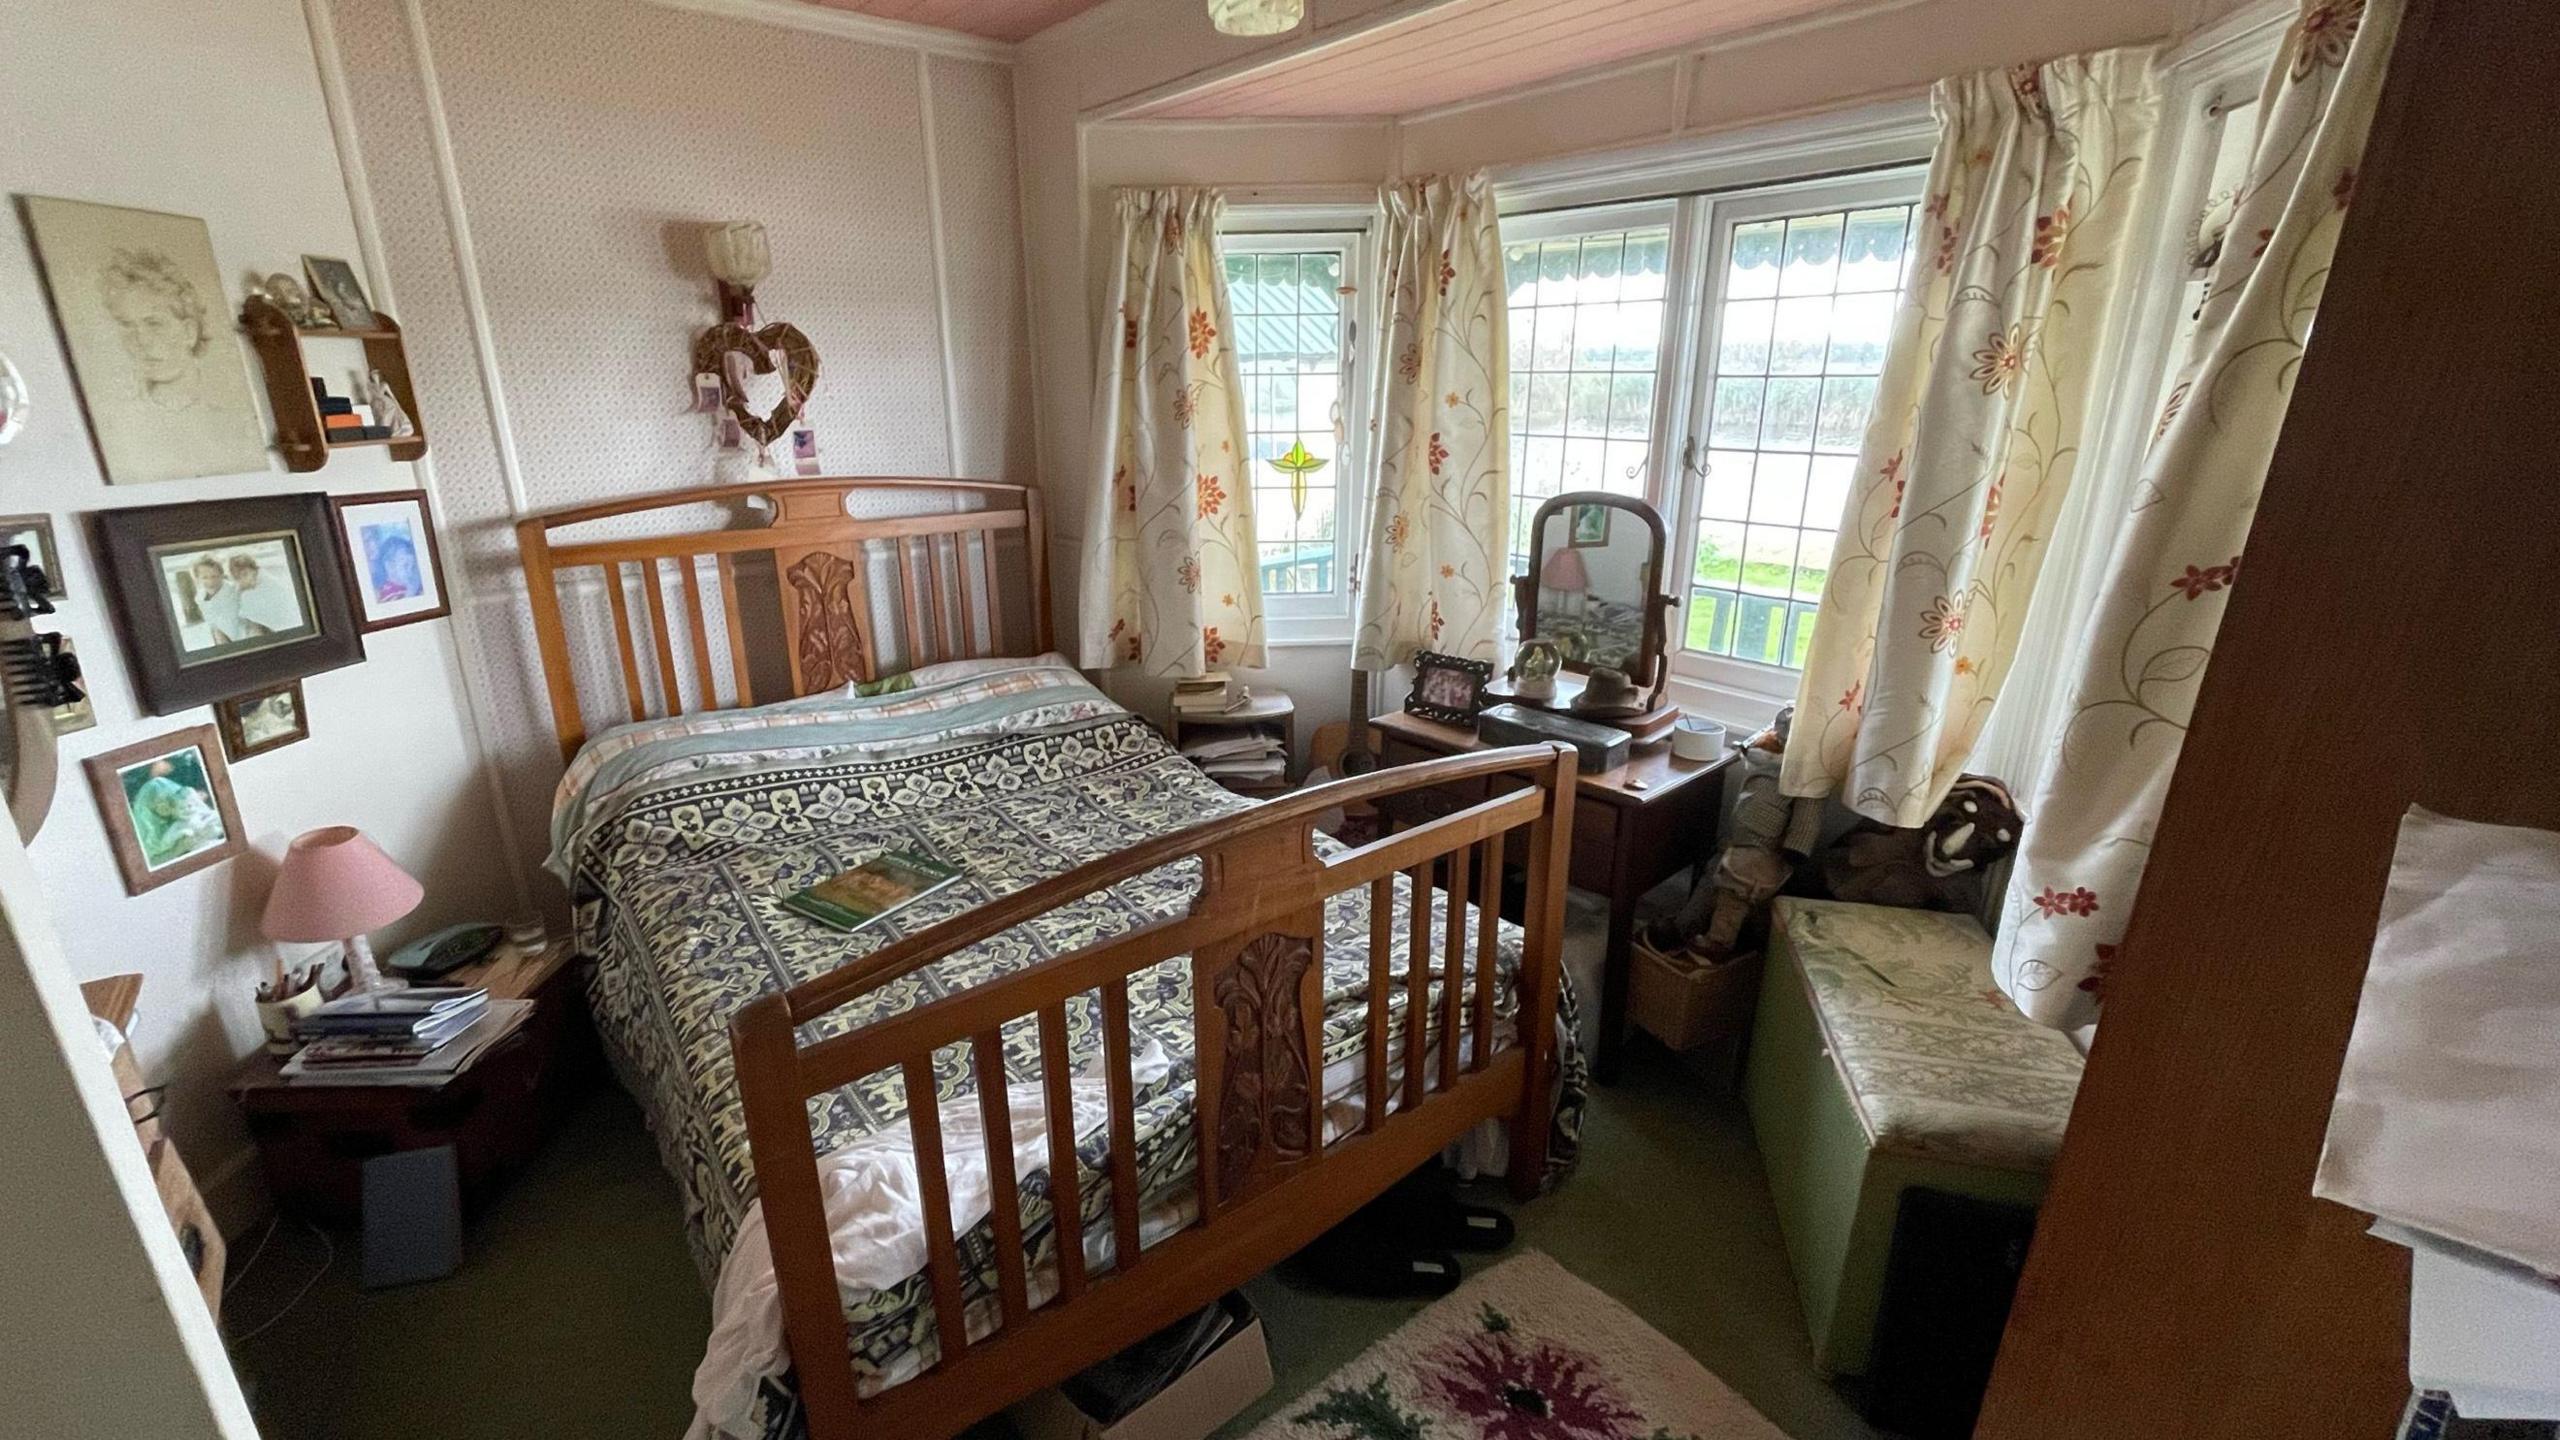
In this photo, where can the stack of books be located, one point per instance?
(1247, 757)
(343, 419)
(420, 1036)
(1209, 697)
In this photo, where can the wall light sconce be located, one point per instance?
(740, 259)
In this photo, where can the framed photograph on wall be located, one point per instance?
(393, 565)
(167, 806)
(158, 357)
(36, 533)
(226, 597)
(262, 720)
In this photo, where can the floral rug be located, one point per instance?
(1523, 1351)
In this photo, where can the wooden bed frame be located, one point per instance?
(1267, 1183)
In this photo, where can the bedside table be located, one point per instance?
(1271, 714)
(313, 1140)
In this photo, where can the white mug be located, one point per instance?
(1697, 738)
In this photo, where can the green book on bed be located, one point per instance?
(887, 881)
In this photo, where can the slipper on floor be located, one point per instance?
(1431, 1219)
(1356, 1260)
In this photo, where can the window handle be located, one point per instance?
(1689, 464)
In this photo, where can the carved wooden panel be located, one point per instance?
(1266, 1091)
(828, 648)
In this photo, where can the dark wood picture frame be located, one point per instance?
(228, 713)
(1478, 672)
(353, 561)
(45, 554)
(125, 540)
(115, 808)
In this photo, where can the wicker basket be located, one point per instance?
(1686, 1006)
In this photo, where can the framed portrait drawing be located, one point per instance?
(1447, 688)
(262, 720)
(228, 596)
(393, 567)
(334, 284)
(167, 806)
(157, 355)
(36, 533)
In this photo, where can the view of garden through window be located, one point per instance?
(1805, 308)
(1288, 315)
(1586, 337)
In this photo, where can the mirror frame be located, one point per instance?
(1651, 671)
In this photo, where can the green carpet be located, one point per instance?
(577, 1312)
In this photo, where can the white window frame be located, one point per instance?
(1290, 621)
(1710, 221)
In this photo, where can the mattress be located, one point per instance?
(680, 838)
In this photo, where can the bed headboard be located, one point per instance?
(795, 604)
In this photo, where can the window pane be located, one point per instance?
(1777, 490)
(1846, 404)
(1587, 404)
(1647, 252)
(1726, 495)
(1630, 466)
(1639, 335)
(1803, 334)
(1557, 262)
(1813, 256)
(1289, 349)
(1871, 255)
(1786, 421)
(1736, 420)
(1805, 314)
(1600, 257)
(1586, 465)
(1520, 273)
(1742, 346)
(1554, 347)
(1546, 405)
(1595, 335)
(1631, 406)
(1753, 273)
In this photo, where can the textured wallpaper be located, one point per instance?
(588, 142)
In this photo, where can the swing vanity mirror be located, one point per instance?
(1594, 589)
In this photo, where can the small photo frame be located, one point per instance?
(334, 284)
(1590, 526)
(167, 806)
(36, 533)
(262, 720)
(80, 714)
(394, 570)
(1447, 688)
(223, 597)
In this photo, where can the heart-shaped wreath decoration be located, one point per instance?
(758, 347)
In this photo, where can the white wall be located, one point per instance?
(213, 110)
(540, 175)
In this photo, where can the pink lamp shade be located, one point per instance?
(1564, 570)
(337, 885)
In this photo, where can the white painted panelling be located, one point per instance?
(580, 170)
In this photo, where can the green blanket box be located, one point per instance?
(1883, 1056)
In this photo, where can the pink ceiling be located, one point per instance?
(995, 19)
(1473, 48)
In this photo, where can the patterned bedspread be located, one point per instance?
(681, 838)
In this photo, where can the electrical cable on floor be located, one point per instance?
(241, 1271)
(326, 1260)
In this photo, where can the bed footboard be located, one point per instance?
(1267, 1181)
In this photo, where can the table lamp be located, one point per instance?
(337, 885)
(1566, 573)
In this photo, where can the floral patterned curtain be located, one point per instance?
(1437, 572)
(1977, 428)
(2179, 547)
(1171, 584)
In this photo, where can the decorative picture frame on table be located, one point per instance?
(262, 720)
(335, 286)
(167, 806)
(394, 568)
(227, 597)
(1447, 688)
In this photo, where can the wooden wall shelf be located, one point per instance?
(299, 434)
